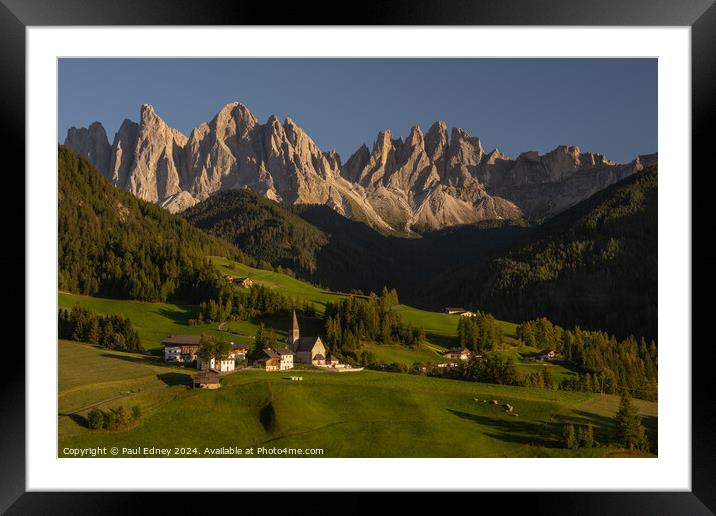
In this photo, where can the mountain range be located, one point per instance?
(427, 181)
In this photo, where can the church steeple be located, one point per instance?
(293, 335)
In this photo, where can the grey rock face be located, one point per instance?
(426, 181)
(91, 143)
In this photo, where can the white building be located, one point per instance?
(223, 366)
(286, 356)
(459, 353)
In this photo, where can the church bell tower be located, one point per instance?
(293, 335)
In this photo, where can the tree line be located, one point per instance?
(629, 432)
(353, 319)
(479, 333)
(109, 331)
(237, 304)
(118, 418)
(606, 365)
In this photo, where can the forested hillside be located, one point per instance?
(322, 246)
(593, 265)
(268, 231)
(112, 244)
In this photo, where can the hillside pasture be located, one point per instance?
(363, 414)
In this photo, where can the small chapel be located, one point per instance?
(307, 350)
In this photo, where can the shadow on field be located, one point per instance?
(267, 417)
(148, 360)
(80, 420)
(515, 431)
(442, 340)
(175, 378)
(176, 316)
(603, 426)
(134, 360)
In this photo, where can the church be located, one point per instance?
(307, 350)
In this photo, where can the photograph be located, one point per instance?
(357, 257)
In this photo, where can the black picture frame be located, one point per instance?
(16, 15)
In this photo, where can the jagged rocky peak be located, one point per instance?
(464, 148)
(233, 119)
(356, 163)
(92, 144)
(434, 179)
(495, 155)
(416, 137)
(436, 140)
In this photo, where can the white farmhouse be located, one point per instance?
(286, 356)
(225, 365)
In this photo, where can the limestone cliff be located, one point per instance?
(427, 181)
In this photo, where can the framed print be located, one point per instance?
(446, 250)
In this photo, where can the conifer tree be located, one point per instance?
(569, 437)
(629, 431)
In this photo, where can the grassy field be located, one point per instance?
(155, 321)
(287, 285)
(402, 355)
(364, 414)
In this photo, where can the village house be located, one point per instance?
(244, 281)
(286, 357)
(224, 365)
(207, 379)
(549, 355)
(271, 361)
(458, 353)
(239, 351)
(283, 356)
(458, 311)
(307, 350)
(181, 348)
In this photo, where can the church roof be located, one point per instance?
(306, 343)
(284, 351)
(319, 357)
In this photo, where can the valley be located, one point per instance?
(423, 393)
(405, 415)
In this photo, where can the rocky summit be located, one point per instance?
(427, 181)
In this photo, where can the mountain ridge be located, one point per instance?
(426, 181)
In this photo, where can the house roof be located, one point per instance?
(284, 351)
(307, 343)
(182, 340)
(269, 353)
(207, 374)
(458, 350)
(319, 356)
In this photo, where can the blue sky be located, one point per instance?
(601, 105)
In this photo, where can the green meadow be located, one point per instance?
(360, 414)
(155, 321)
